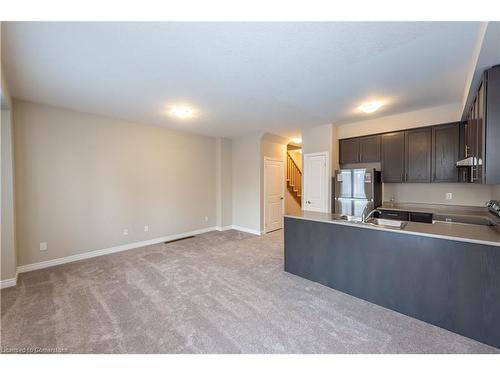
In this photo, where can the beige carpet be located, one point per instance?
(221, 292)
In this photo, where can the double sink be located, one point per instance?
(378, 222)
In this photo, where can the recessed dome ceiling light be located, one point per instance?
(181, 111)
(370, 107)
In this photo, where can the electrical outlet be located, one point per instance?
(43, 246)
(146, 228)
(125, 232)
(206, 218)
(449, 196)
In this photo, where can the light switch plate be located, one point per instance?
(125, 232)
(43, 246)
(146, 228)
(449, 196)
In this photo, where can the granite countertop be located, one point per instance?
(472, 214)
(482, 234)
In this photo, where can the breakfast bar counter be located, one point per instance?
(446, 274)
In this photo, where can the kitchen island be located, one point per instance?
(446, 274)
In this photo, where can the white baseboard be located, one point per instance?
(115, 249)
(7, 283)
(111, 250)
(247, 230)
(222, 229)
(241, 229)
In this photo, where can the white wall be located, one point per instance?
(407, 120)
(7, 228)
(81, 179)
(463, 194)
(223, 177)
(435, 193)
(496, 193)
(8, 251)
(246, 182)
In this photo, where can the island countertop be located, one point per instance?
(480, 234)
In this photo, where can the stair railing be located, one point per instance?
(293, 176)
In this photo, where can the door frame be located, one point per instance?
(283, 181)
(326, 187)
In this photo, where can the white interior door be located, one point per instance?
(316, 182)
(274, 189)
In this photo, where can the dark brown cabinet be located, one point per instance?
(369, 149)
(393, 157)
(418, 155)
(349, 151)
(445, 152)
(360, 150)
(406, 156)
(490, 117)
(482, 132)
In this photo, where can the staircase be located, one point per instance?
(293, 179)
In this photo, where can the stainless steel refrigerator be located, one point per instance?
(356, 190)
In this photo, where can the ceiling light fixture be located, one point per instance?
(181, 111)
(370, 107)
(297, 140)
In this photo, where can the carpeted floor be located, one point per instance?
(221, 292)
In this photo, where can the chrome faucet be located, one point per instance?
(365, 217)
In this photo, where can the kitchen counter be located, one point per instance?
(480, 234)
(446, 274)
(445, 212)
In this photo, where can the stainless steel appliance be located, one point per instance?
(494, 207)
(356, 190)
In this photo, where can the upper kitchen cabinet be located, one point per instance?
(482, 131)
(406, 156)
(445, 152)
(393, 157)
(360, 150)
(369, 149)
(491, 133)
(349, 151)
(418, 155)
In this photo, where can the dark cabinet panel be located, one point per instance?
(451, 284)
(349, 151)
(369, 149)
(395, 215)
(421, 217)
(418, 155)
(491, 120)
(393, 157)
(480, 127)
(482, 131)
(445, 152)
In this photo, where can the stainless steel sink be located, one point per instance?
(386, 223)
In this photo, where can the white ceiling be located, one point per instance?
(242, 77)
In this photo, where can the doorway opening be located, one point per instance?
(293, 198)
